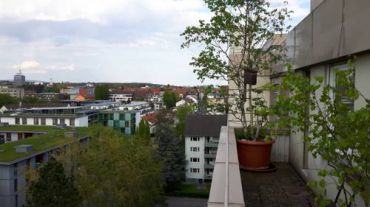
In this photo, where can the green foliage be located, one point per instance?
(191, 190)
(335, 131)
(169, 99)
(32, 100)
(170, 151)
(101, 92)
(53, 188)
(181, 114)
(248, 133)
(7, 99)
(112, 170)
(143, 130)
(232, 43)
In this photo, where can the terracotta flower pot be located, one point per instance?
(254, 155)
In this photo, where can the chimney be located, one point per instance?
(23, 148)
(315, 4)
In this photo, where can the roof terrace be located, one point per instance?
(53, 138)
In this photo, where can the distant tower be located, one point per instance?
(19, 79)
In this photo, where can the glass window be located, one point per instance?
(8, 137)
(24, 121)
(340, 88)
(15, 185)
(36, 121)
(62, 121)
(55, 121)
(122, 116)
(71, 121)
(17, 120)
(194, 159)
(43, 121)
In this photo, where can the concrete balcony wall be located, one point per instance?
(334, 29)
(226, 188)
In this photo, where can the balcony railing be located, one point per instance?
(226, 188)
(211, 144)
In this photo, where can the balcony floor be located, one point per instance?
(283, 187)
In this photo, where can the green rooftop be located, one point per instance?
(53, 138)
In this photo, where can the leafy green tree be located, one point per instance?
(170, 151)
(181, 114)
(232, 49)
(334, 131)
(143, 130)
(7, 99)
(113, 171)
(53, 188)
(169, 99)
(102, 92)
(31, 100)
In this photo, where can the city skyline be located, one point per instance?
(118, 41)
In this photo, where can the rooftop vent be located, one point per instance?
(23, 148)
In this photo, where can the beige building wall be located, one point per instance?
(262, 79)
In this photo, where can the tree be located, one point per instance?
(170, 151)
(53, 188)
(7, 99)
(31, 100)
(181, 114)
(334, 131)
(112, 170)
(101, 92)
(232, 47)
(169, 99)
(143, 130)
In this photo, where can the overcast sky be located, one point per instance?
(103, 40)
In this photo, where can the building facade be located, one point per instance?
(13, 173)
(121, 97)
(201, 140)
(124, 121)
(49, 116)
(14, 92)
(19, 79)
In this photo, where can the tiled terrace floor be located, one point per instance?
(281, 188)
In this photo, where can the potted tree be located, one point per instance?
(335, 132)
(234, 49)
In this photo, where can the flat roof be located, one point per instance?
(40, 143)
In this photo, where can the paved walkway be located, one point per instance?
(281, 188)
(186, 202)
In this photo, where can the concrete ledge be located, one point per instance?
(226, 188)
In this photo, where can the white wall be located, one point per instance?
(9, 120)
(200, 155)
(82, 121)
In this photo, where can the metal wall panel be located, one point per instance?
(357, 26)
(303, 43)
(327, 20)
(324, 35)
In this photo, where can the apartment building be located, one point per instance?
(19, 79)
(124, 121)
(14, 92)
(121, 97)
(201, 140)
(17, 156)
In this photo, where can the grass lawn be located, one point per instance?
(53, 138)
(192, 190)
